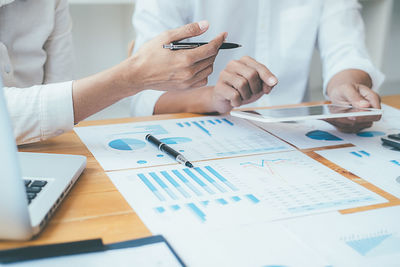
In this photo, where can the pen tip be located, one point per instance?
(188, 164)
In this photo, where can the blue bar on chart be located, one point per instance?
(198, 212)
(175, 207)
(203, 122)
(198, 181)
(209, 179)
(210, 121)
(222, 201)
(218, 120)
(236, 198)
(152, 188)
(201, 127)
(175, 184)
(160, 209)
(356, 154)
(228, 121)
(187, 182)
(252, 198)
(163, 185)
(179, 124)
(188, 124)
(221, 178)
(364, 153)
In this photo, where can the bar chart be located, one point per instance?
(239, 190)
(192, 185)
(205, 125)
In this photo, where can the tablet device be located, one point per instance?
(326, 111)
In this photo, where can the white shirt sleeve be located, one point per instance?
(40, 112)
(152, 17)
(341, 41)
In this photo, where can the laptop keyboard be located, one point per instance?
(33, 187)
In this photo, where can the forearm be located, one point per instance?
(350, 76)
(196, 100)
(96, 92)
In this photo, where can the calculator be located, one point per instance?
(392, 140)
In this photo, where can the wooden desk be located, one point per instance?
(94, 208)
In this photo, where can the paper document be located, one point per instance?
(123, 146)
(238, 191)
(369, 238)
(380, 170)
(261, 244)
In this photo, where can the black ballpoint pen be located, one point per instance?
(183, 45)
(169, 151)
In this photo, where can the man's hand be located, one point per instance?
(154, 67)
(241, 82)
(352, 87)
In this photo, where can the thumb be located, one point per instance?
(187, 31)
(354, 97)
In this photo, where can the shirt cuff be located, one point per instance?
(143, 103)
(57, 113)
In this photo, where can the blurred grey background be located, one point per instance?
(109, 25)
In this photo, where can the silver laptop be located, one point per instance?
(32, 184)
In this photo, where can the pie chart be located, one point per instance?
(127, 144)
(322, 135)
(370, 134)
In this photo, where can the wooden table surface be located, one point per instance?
(94, 208)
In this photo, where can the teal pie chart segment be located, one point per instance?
(127, 144)
(175, 140)
(322, 135)
(370, 134)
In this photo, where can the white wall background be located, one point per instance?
(102, 31)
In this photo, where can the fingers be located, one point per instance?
(200, 78)
(265, 74)
(208, 50)
(203, 64)
(187, 31)
(230, 94)
(372, 97)
(249, 77)
(352, 96)
(349, 126)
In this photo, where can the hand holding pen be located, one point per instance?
(188, 45)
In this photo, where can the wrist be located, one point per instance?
(126, 78)
(203, 100)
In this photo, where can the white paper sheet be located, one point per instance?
(369, 238)
(237, 191)
(376, 168)
(264, 244)
(123, 146)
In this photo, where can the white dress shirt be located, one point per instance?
(35, 56)
(280, 34)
